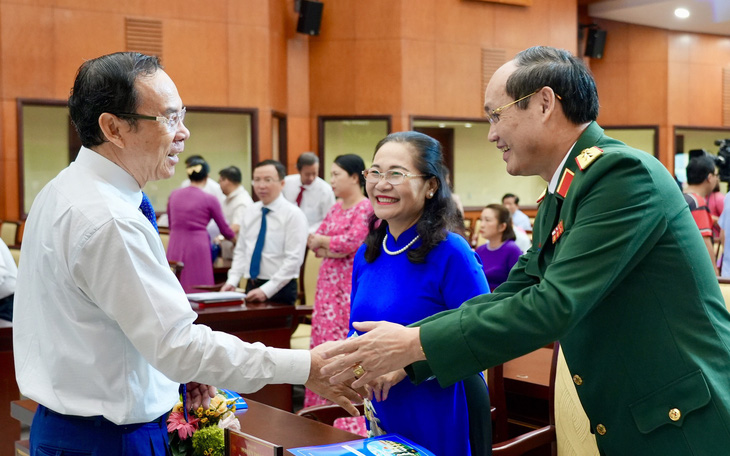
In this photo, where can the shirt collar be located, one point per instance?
(112, 173)
(277, 203)
(234, 193)
(554, 181)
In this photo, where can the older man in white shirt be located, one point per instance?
(310, 192)
(271, 249)
(103, 333)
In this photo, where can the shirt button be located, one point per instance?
(675, 414)
(577, 380)
(601, 429)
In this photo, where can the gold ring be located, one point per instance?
(358, 371)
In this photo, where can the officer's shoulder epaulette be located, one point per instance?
(542, 197)
(587, 157)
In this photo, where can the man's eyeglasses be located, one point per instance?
(373, 176)
(170, 122)
(493, 115)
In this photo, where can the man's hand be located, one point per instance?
(256, 295)
(378, 389)
(228, 287)
(401, 344)
(199, 394)
(341, 394)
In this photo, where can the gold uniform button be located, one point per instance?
(577, 380)
(601, 429)
(675, 414)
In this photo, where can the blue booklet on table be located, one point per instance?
(384, 445)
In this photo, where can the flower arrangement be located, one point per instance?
(202, 433)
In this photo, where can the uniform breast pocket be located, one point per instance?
(672, 403)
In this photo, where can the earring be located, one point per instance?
(430, 195)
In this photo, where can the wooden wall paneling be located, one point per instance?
(278, 65)
(492, 60)
(617, 46)
(338, 20)
(705, 94)
(79, 35)
(299, 132)
(378, 19)
(421, 16)
(666, 146)
(613, 87)
(562, 24)
(333, 73)
(646, 98)
(647, 44)
(251, 81)
(378, 82)
(27, 34)
(195, 10)
(255, 12)
(10, 199)
(678, 95)
(196, 57)
(144, 36)
(458, 82)
(420, 66)
(298, 76)
(457, 21)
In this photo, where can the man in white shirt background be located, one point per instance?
(237, 199)
(519, 218)
(103, 333)
(309, 191)
(273, 276)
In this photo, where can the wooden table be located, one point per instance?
(260, 420)
(527, 391)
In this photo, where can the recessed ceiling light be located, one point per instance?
(682, 13)
(467, 125)
(442, 125)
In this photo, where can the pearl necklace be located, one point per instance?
(385, 249)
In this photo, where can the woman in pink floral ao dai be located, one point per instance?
(339, 236)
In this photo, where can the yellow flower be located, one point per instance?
(178, 407)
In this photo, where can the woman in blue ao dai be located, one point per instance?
(411, 267)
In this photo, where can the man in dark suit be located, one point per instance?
(613, 273)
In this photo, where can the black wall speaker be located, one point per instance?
(595, 43)
(310, 17)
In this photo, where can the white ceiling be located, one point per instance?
(706, 16)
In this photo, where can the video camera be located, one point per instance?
(722, 159)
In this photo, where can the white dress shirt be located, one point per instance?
(101, 324)
(283, 252)
(317, 198)
(234, 205)
(8, 271)
(521, 220)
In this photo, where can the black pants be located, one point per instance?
(6, 308)
(287, 295)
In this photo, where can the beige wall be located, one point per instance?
(354, 136)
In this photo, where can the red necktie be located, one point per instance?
(299, 197)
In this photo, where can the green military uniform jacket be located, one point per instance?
(619, 274)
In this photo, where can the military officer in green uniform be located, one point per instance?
(617, 272)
